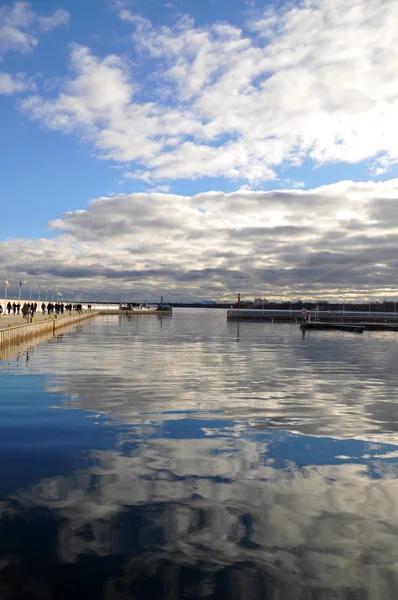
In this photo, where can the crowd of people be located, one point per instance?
(28, 309)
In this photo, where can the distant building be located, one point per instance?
(260, 301)
(207, 302)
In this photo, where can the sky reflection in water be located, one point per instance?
(179, 458)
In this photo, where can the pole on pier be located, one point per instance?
(238, 302)
(6, 286)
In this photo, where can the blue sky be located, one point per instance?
(146, 104)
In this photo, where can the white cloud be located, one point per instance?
(315, 80)
(59, 17)
(19, 26)
(12, 84)
(325, 241)
(98, 104)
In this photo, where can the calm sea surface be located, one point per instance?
(187, 457)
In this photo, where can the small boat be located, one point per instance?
(146, 307)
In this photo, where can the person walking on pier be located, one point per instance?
(1, 310)
(43, 308)
(9, 307)
(14, 308)
(18, 308)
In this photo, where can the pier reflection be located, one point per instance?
(25, 348)
(16, 355)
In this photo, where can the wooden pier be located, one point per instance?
(137, 313)
(339, 326)
(369, 326)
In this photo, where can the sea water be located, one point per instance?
(190, 457)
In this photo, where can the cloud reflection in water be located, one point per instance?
(264, 469)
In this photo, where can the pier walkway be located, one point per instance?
(11, 320)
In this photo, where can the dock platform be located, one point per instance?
(296, 316)
(339, 326)
(137, 313)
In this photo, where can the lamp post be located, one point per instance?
(19, 291)
(6, 286)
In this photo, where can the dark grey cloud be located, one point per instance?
(264, 243)
(287, 231)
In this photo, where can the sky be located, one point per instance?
(197, 149)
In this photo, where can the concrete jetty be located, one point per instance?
(286, 316)
(9, 350)
(15, 329)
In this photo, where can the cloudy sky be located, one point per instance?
(200, 149)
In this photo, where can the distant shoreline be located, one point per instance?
(387, 306)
